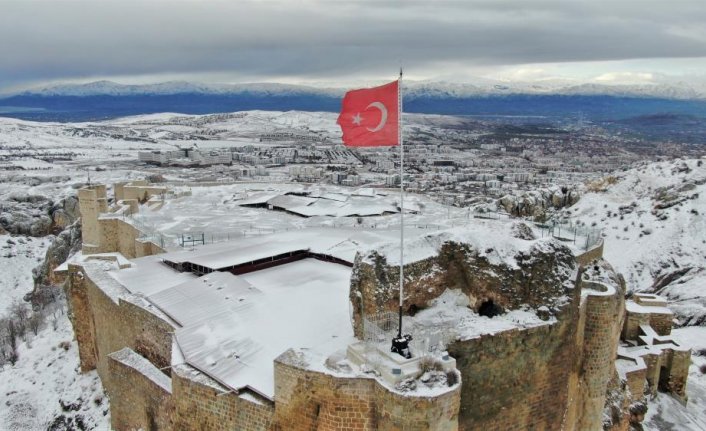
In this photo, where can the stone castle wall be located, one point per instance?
(82, 319)
(549, 377)
(136, 400)
(636, 383)
(375, 284)
(661, 323)
(600, 339)
(128, 344)
(203, 406)
(105, 234)
(139, 190)
(676, 364)
(518, 379)
(594, 253)
(668, 370)
(92, 202)
(310, 400)
(106, 324)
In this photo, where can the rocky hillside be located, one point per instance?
(654, 222)
(36, 215)
(536, 203)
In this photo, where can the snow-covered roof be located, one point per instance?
(148, 275)
(634, 307)
(339, 243)
(235, 340)
(326, 204)
(201, 298)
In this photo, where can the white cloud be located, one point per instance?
(626, 78)
(339, 41)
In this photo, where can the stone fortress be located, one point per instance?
(291, 331)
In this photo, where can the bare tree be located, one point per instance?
(35, 322)
(19, 316)
(12, 355)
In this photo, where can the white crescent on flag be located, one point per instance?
(383, 118)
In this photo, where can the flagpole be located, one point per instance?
(399, 139)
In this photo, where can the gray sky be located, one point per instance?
(310, 41)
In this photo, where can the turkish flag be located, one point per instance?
(369, 116)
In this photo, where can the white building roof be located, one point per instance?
(235, 326)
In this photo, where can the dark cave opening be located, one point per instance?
(490, 309)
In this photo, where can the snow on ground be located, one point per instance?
(47, 373)
(46, 384)
(217, 212)
(449, 313)
(18, 256)
(648, 245)
(654, 220)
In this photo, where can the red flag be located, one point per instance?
(369, 116)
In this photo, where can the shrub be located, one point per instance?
(429, 363)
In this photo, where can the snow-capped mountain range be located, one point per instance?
(481, 87)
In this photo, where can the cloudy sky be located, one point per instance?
(344, 41)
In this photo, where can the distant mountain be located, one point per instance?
(413, 89)
(555, 100)
(109, 88)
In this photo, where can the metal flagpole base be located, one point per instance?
(400, 345)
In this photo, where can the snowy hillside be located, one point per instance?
(43, 390)
(46, 391)
(653, 217)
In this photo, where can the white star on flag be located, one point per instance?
(357, 119)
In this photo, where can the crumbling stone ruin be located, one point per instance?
(536, 203)
(532, 334)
